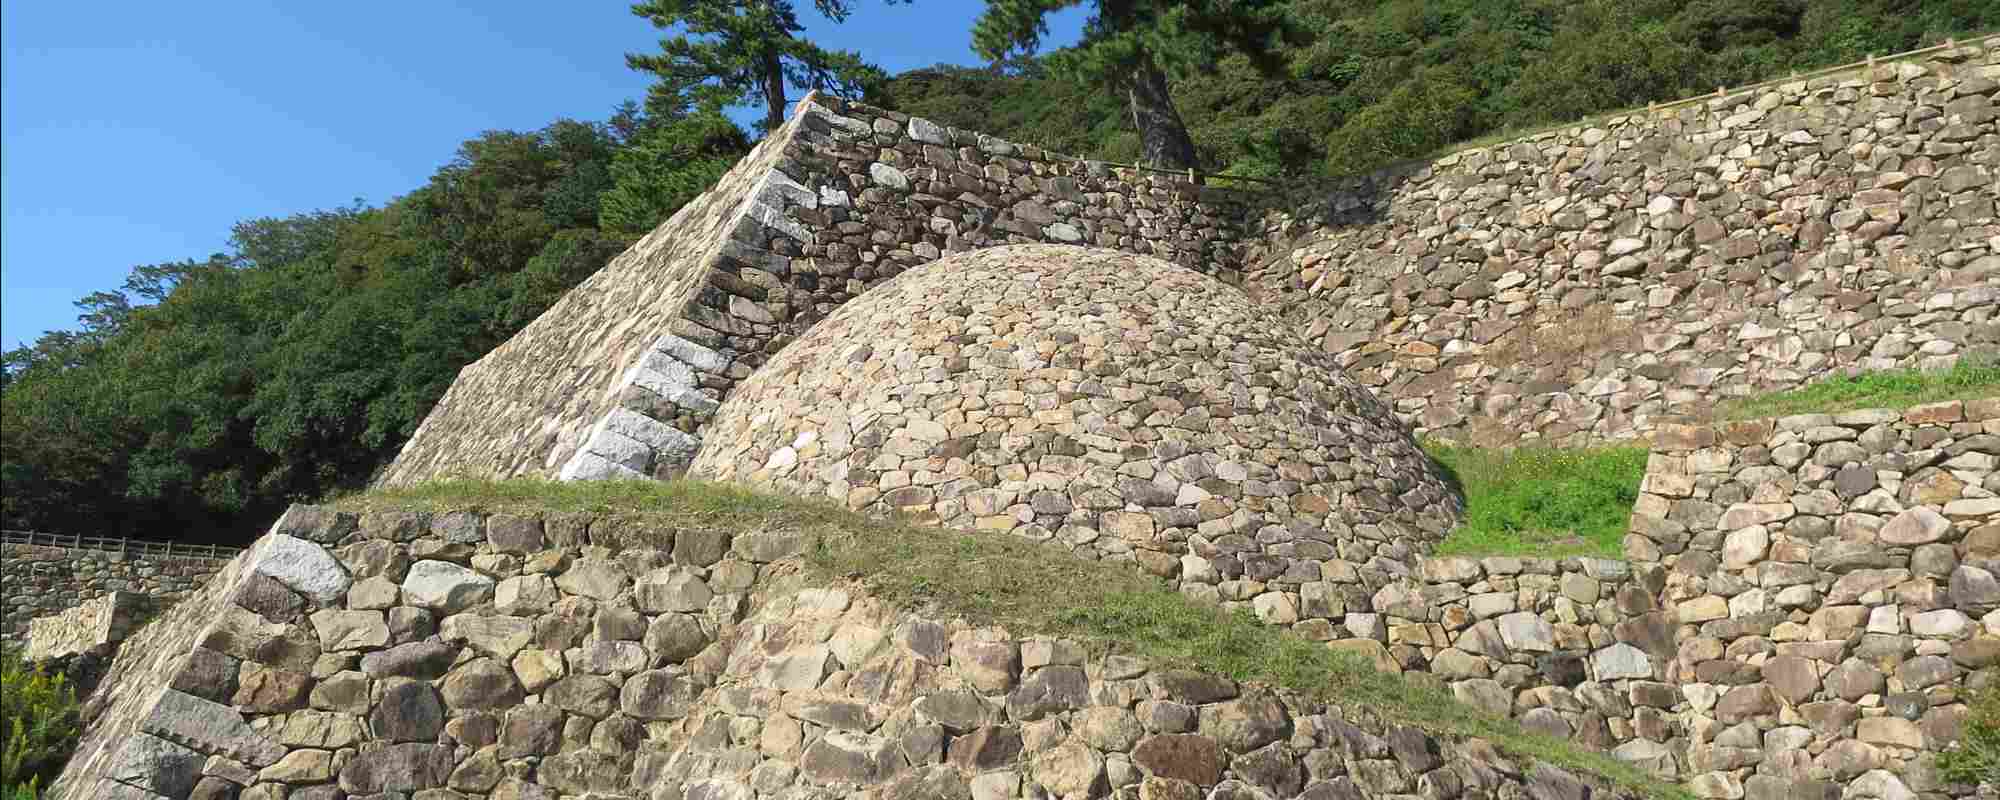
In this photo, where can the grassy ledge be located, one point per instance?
(1029, 588)
(1541, 501)
(1968, 379)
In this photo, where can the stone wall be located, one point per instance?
(460, 655)
(40, 580)
(1831, 580)
(1575, 284)
(617, 378)
(1584, 282)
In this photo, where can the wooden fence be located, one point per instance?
(124, 546)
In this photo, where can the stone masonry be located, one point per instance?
(459, 655)
(1117, 404)
(1830, 580)
(618, 378)
(1587, 282)
(1582, 283)
(40, 580)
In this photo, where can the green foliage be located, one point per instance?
(1369, 83)
(38, 726)
(1975, 757)
(1969, 378)
(663, 168)
(204, 395)
(1029, 590)
(732, 50)
(1541, 501)
(1136, 49)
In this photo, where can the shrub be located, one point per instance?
(1976, 757)
(38, 726)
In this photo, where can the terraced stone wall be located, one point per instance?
(1586, 282)
(619, 377)
(460, 655)
(40, 581)
(1831, 583)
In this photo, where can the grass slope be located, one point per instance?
(1968, 379)
(1032, 589)
(1542, 501)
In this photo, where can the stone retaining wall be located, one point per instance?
(1584, 282)
(1831, 580)
(39, 580)
(618, 378)
(459, 655)
(1574, 284)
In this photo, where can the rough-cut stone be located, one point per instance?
(445, 587)
(1919, 525)
(301, 566)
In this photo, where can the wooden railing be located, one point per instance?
(125, 546)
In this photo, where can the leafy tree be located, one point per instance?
(733, 50)
(664, 167)
(204, 395)
(1136, 46)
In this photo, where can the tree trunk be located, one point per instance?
(774, 91)
(1162, 134)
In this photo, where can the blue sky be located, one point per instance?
(137, 133)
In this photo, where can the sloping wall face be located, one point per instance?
(459, 655)
(561, 394)
(617, 379)
(1584, 282)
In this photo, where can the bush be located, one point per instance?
(38, 727)
(1976, 757)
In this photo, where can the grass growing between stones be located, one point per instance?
(1030, 588)
(1542, 501)
(1968, 379)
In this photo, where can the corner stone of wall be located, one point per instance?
(455, 655)
(87, 627)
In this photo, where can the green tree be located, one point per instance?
(665, 166)
(1136, 47)
(737, 50)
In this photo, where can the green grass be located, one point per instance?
(1537, 500)
(1032, 589)
(1968, 379)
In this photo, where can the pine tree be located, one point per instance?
(1137, 46)
(737, 50)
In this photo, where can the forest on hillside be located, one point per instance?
(1357, 85)
(196, 399)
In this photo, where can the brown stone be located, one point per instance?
(1195, 759)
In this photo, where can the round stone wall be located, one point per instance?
(1115, 402)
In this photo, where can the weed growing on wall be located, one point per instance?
(38, 726)
(1976, 756)
(1538, 500)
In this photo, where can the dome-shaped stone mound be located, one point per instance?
(1114, 401)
